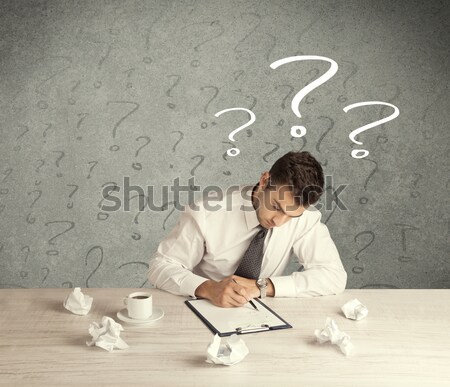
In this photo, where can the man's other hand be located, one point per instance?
(226, 293)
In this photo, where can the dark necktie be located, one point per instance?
(250, 266)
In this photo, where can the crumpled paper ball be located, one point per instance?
(232, 352)
(355, 310)
(78, 303)
(331, 332)
(106, 335)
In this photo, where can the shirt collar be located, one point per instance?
(249, 211)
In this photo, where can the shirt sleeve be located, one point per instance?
(171, 266)
(323, 272)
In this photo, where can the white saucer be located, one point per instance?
(157, 314)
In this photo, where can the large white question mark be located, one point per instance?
(236, 151)
(308, 88)
(352, 135)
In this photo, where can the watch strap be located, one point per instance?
(262, 286)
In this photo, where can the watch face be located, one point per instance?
(262, 282)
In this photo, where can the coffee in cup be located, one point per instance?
(139, 305)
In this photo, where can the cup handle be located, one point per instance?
(125, 301)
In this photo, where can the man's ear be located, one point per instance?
(264, 180)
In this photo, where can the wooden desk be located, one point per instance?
(404, 341)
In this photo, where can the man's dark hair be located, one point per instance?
(302, 173)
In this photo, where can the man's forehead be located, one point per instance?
(282, 192)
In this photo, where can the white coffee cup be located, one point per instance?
(139, 305)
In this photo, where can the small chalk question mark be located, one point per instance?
(181, 136)
(138, 166)
(61, 156)
(115, 148)
(359, 268)
(300, 131)
(361, 153)
(100, 248)
(70, 205)
(202, 158)
(235, 151)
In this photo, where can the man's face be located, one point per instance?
(275, 206)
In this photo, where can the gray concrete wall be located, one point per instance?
(92, 91)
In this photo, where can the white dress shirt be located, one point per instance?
(209, 244)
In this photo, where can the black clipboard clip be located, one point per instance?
(251, 329)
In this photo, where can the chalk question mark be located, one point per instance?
(61, 156)
(23, 273)
(44, 133)
(138, 166)
(405, 227)
(142, 205)
(361, 153)
(416, 194)
(359, 268)
(70, 205)
(47, 272)
(236, 151)
(270, 152)
(51, 241)
(204, 36)
(7, 173)
(300, 131)
(170, 213)
(93, 165)
(178, 141)
(224, 156)
(100, 248)
(202, 158)
(115, 148)
(181, 134)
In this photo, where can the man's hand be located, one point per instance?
(227, 293)
(249, 285)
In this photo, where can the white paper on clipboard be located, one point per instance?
(244, 319)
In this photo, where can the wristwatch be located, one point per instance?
(262, 286)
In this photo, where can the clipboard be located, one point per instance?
(241, 320)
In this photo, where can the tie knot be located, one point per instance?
(262, 232)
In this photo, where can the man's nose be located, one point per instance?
(279, 219)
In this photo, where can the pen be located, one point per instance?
(250, 301)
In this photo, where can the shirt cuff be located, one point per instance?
(190, 283)
(284, 286)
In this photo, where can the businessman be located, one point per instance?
(239, 248)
